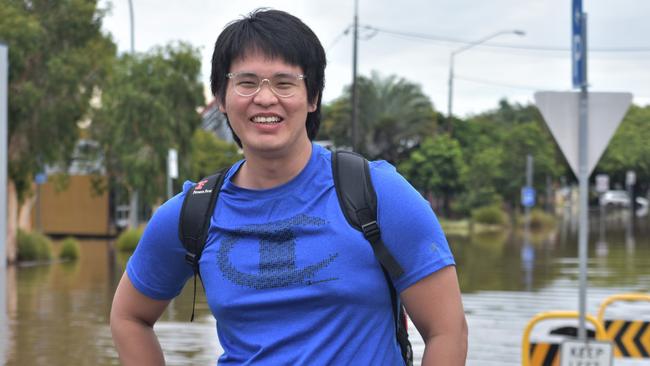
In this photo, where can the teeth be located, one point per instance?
(260, 119)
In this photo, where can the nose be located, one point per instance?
(265, 96)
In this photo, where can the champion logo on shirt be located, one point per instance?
(277, 253)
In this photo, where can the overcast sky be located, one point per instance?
(618, 38)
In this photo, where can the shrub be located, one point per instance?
(540, 219)
(489, 215)
(70, 249)
(128, 240)
(33, 247)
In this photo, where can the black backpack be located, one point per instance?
(358, 201)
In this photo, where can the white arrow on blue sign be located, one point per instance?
(40, 178)
(527, 196)
(577, 47)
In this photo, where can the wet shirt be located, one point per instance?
(289, 281)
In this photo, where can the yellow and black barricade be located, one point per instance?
(545, 349)
(629, 334)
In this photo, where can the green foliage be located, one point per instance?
(58, 57)
(481, 180)
(540, 219)
(33, 247)
(495, 145)
(489, 215)
(629, 150)
(70, 249)
(394, 116)
(210, 154)
(436, 166)
(149, 106)
(128, 239)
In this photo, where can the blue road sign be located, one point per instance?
(577, 46)
(527, 196)
(40, 178)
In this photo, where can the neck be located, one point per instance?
(264, 171)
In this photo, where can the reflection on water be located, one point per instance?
(58, 314)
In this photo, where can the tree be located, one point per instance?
(629, 150)
(210, 154)
(394, 116)
(148, 106)
(517, 143)
(58, 57)
(495, 145)
(436, 168)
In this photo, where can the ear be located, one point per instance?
(312, 105)
(222, 108)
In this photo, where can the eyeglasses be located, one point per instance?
(248, 84)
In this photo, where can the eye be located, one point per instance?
(284, 82)
(247, 81)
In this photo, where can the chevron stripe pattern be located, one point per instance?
(544, 354)
(631, 338)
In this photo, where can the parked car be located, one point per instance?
(620, 198)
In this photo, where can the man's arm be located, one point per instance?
(132, 318)
(435, 307)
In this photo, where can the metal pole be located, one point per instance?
(4, 81)
(450, 90)
(529, 183)
(451, 66)
(133, 211)
(4, 152)
(132, 31)
(355, 96)
(583, 179)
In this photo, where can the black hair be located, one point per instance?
(275, 34)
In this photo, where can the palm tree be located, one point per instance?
(394, 116)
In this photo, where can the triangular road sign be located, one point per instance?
(561, 113)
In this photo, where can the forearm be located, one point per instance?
(136, 343)
(447, 349)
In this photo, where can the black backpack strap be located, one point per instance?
(194, 222)
(358, 201)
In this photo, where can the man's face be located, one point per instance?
(265, 122)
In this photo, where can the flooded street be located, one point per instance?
(58, 314)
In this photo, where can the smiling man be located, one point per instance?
(288, 279)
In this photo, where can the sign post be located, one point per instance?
(172, 170)
(4, 133)
(581, 145)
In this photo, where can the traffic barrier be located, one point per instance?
(631, 337)
(547, 352)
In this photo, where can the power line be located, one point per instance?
(495, 83)
(338, 38)
(445, 39)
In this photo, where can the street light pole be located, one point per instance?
(132, 31)
(451, 67)
(355, 95)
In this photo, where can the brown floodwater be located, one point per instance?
(57, 314)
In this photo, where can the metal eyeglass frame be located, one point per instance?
(232, 75)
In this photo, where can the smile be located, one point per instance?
(266, 120)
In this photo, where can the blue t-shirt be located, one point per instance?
(289, 281)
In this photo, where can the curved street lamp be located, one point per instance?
(465, 48)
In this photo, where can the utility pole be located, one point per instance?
(355, 95)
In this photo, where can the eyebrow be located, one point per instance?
(280, 74)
